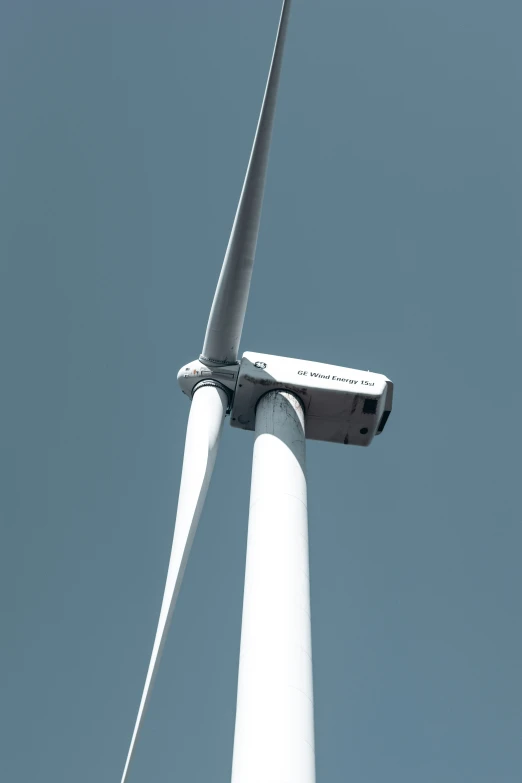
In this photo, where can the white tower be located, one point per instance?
(275, 693)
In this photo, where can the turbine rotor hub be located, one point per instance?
(196, 374)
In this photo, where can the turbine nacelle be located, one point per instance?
(341, 405)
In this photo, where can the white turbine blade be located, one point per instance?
(227, 314)
(204, 428)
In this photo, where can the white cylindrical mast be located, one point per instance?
(274, 734)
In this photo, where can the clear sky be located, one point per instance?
(390, 241)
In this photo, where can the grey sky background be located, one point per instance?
(390, 241)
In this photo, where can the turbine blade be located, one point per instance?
(227, 314)
(204, 428)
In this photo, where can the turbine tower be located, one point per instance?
(285, 401)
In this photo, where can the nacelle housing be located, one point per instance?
(341, 405)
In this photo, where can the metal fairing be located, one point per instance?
(193, 373)
(341, 405)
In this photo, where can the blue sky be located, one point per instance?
(390, 241)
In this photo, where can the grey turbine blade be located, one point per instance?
(205, 424)
(227, 314)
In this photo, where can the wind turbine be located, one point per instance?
(285, 401)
